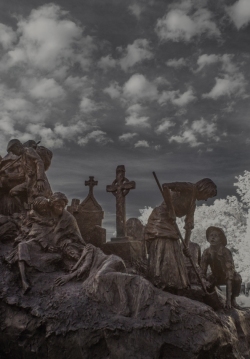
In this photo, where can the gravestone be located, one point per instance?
(130, 250)
(135, 229)
(89, 214)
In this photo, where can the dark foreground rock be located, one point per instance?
(80, 320)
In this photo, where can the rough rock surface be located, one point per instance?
(81, 321)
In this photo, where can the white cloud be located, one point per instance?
(177, 63)
(48, 40)
(239, 12)
(165, 125)
(97, 136)
(138, 87)
(184, 21)
(107, 62)
(135, 53)
(69, 132)
(176, 98)
(87, 105)
(127, 136)
(7, 36)
(135, 120)
(114, 90)
(136, 117)
(227, 86)
(195, 134)
(205, 59)
(142, 143)
(136, 9)
(46, 89)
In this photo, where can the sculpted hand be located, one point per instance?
(228, 304)
(187, 253)
(40, 185)
(52, 249)
(62, 280)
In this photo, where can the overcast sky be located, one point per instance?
(154, 85)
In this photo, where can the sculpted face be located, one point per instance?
(17, 149)
(58, 207)
(214, 238)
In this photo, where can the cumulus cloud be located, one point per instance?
(195, 134)
(7, 36)
(136, 9)
(48, 39)
(227, 86)
(46, 89)
(142, 143)
(106, 62)
(87, 105)
(138, 87)
(97, 136)
(136, 117)
(177, 63)
(186, 20)
(205, 60)
(239, 13)
(127, 136)
(164, 126)
(114, 90)
(176, 98)
(135, 53)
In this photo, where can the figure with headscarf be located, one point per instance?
(166, 266)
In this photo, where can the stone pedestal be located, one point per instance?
(98, 236)
(129, 250)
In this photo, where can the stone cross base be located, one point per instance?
(129, 250)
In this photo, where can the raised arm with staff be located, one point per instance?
(166, 266)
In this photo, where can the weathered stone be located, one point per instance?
(89, 213)
(120, 188)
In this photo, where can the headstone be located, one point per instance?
(135, 229)
(120, 188)
(88, 213)
(130, 250)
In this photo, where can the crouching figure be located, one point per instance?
(220, 260)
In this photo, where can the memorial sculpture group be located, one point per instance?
(66, 292)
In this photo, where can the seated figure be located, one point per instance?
(43, 235)
(220, 260)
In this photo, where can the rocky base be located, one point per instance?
(75, 322)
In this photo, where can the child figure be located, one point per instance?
(220, 260)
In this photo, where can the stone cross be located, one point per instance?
(120, 188)
(91, 183)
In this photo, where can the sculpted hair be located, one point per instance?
(58, 196)
(207, 186)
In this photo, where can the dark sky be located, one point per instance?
(153, 85)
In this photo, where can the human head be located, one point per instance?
(205, 189)
(41, 205)
(30, 143)
(215, 236)
(58, 201)
(15, 147)
(73, 251)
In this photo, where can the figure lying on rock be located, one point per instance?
(220, 260)
(44, 232)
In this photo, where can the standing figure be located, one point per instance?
(34, 182)
(220, 260)
(166, 267)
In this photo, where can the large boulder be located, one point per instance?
(121, 316)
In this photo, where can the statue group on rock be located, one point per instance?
(43, 236)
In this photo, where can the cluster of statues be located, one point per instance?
(45, 236)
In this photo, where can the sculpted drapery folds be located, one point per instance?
(166, 267)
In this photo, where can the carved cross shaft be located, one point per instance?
(120, 188)
(91, 183)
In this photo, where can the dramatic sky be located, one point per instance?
(151, 84)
